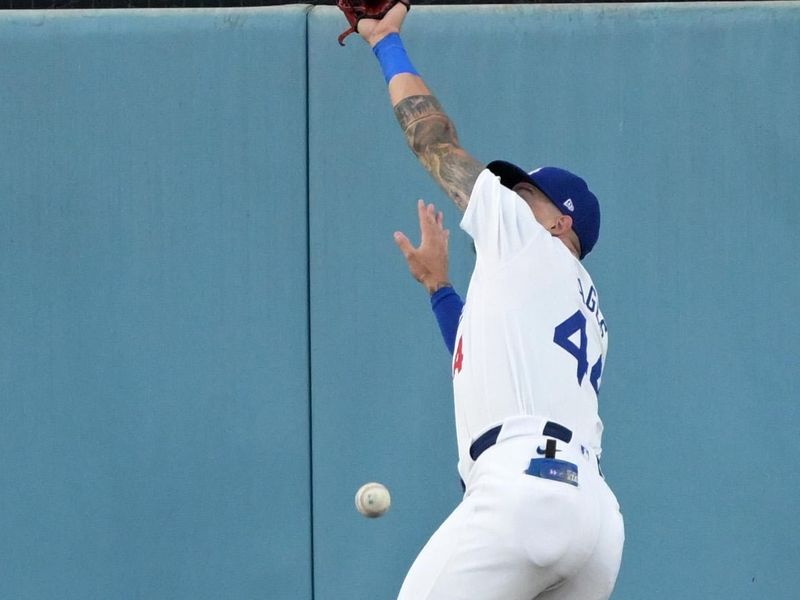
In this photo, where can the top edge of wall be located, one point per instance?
(14, 14)
(598, 6)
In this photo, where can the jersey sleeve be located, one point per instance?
(447, 306)
(499, 221)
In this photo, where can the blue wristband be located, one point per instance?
(392, 56)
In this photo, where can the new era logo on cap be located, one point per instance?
(568, 203)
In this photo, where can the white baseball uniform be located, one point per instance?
(530, 349)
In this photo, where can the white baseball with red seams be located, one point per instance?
(373, 499)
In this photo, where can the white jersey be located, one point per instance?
(532, 339)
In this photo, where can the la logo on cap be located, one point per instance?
(568, 203)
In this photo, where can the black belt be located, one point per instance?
(489, 438)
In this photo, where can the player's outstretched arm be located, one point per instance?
(432, 137)
(429, 132)
(428, 264)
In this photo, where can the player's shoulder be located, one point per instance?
(489, 193)
(488, 183)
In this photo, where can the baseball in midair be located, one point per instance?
(373, 499)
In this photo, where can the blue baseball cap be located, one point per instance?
(566, 190)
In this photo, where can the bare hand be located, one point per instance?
(428, 262)
(373, 31)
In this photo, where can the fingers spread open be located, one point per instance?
(421, 209)
(403, 243)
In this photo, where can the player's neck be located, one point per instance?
(571, 245)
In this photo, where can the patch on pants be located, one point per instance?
(552, 468)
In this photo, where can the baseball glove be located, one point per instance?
(355, 10)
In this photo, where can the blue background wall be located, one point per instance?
(154, 350)
(209, 336)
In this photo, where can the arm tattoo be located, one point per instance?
(432, 136)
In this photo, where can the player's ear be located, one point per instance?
(562, 225)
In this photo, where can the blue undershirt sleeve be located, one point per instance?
(447, 306)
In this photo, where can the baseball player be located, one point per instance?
(537, 520)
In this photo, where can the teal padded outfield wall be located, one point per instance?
(154, 432)
(208, 339)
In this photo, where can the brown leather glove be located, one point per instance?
(355, 10)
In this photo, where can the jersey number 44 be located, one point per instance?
(575, 324)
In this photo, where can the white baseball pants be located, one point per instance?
(520, 537)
